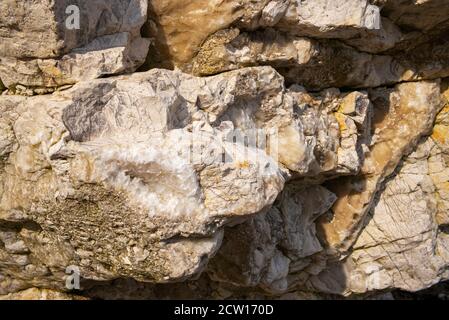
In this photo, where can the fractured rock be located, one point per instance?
(402, 116)
(268, 250)
(136, 163)
(404, 244)
(299, 148)
(318, 64)
(178, 42)
(105, 41)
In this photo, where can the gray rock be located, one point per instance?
(39, 49)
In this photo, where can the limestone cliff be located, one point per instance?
(223, 149)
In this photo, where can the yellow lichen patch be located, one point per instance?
(50, 69)
(210, 59)
(341, 119)
(243, 165)
(53, 71)
(443, 116)
(348, 103)
(441, 135)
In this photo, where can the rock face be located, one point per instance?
(50, 43)
(268, 148)
(404, 242)
(310, 18)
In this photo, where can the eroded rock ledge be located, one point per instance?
(283, 149)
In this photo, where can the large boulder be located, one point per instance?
(49, 44)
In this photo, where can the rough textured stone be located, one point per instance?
(368, 28)
(297, 150)
(95, 174)
(318, 64)
(420, 15)
(38, 50)
(58, 160)
(348, 18)
(268, 250)
(404, 244)
(177, 42)
(402, 116)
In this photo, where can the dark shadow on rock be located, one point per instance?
(159, 54)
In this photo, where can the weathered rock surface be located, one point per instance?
(418, 15)
(270, 249)
(404, 243)
(39, 50)
(286, 34)
(402, 116)
(297, 150)
(180, 27)
(150, 164)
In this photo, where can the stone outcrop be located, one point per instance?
(399, 122)
(179, 33)
(318, 64)
(404, 243)
(55, 43)
(235, 149)
(160, 136)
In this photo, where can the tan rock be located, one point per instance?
(404, 244)
(38, 49)
(253, 170)
(267, 250)
(180, 28)
(318, 64)
(403, 115)
(152, 181)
